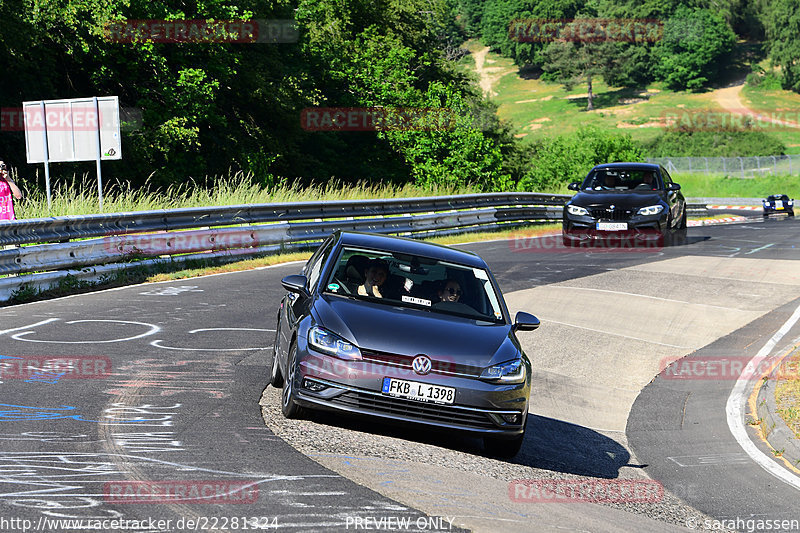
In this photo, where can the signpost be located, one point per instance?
(78, 129)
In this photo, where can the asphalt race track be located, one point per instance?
(160, 396)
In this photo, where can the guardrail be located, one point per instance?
(93, 246)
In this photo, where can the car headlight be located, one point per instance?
(577, 210)
(650, 210)
(330, 343)
(510, 372)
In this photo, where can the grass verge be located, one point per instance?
(787, 392)
(79, 195)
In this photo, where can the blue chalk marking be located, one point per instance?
(18, 414)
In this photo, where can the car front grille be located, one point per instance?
(447, 367)
(611, 214)
(428, 412)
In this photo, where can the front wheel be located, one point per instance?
(289, 407)
(275, 376)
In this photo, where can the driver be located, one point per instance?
(374, 276)
(451, 292)
(609, 181)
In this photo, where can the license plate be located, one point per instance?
(778, 204)
(422, 392)
(612, 226)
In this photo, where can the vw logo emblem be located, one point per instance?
(421, 364)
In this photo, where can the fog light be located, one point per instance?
(512, 419)
(313, 386)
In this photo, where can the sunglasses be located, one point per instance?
(453, 291)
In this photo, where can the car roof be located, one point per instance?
(409, 246)
(637, 166)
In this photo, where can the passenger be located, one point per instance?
(451, 292)
(375, 275)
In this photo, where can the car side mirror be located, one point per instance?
(525, 322)
(673, 187)
(297, 284)
(574, 186)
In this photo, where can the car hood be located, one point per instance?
(387, 329)
(625, 200)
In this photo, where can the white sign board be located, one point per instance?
(70, 130)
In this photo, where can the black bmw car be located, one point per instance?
(405, 331)
(636, 200)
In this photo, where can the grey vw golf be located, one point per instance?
(406, 331)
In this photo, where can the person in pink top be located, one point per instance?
(8, 189)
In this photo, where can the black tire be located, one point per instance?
(275, 376)
(289, 407)
(679, 237)
(566, 241)
(666, 237)
(791, 213)
(504, 448)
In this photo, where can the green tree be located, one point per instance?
(781, 19)
(569, 157)
(692, 48)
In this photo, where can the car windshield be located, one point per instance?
(618, 179)
(415, 281)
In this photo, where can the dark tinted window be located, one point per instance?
(622, 179)
(415, 281)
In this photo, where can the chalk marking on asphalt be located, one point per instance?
(759, 249)
(28, 326)
(263, 477)
(157, 344)
(736, 402)
(153, 329)
(617, 334)
(230, 329)
(639, 295)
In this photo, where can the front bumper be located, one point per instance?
(647, 231)
(354, 387)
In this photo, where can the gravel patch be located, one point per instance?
(325, 433)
